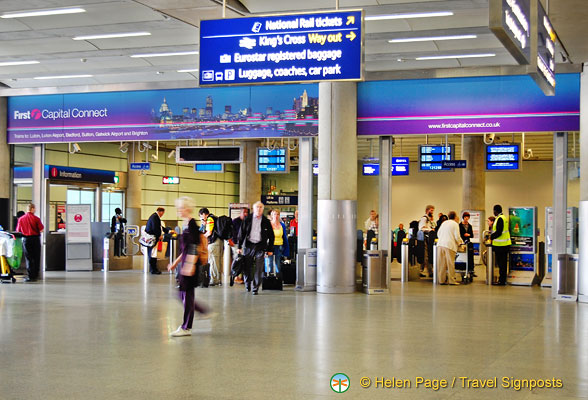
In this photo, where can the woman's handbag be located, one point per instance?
(189, 265)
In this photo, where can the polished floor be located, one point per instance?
(86, 336)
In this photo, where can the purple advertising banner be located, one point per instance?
(215, 113)
(467, 105)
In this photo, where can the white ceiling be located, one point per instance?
(173, 25)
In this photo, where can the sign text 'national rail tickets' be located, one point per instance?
(283, 48)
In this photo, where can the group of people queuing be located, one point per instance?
(450, 232)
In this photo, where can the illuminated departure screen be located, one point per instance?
(431, 157)
(213, 167)
(502, 157)
(272, 161)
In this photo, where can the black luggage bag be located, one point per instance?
(271, 282)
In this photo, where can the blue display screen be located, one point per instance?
(431, 157)
(502, 157)
(275, 160)
(400, 166)
(282, 48)
(216, 167)
(371, 169)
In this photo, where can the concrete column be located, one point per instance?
(385, 198)
(560, 203)
(474, 176)
(583, 211)
(249, 179)
(134, 197)
(305, 195)
(5, 181)
(39, 197)
(337, 187)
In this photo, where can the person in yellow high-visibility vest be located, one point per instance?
(501, 243)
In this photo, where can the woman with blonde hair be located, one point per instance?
(187, 261)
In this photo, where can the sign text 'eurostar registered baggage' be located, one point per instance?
(283, 48)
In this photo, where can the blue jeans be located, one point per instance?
(273, 262)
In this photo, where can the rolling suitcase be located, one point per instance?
(271, 282)
(288, 272)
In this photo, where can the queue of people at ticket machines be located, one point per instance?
(453, 234)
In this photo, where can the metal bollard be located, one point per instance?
(105, 259)
(227, 259)
(435, 258)
(146, 251)
(404, 261)
(489, 264)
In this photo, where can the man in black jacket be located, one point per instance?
(256, 239)
(117, 228)
(154, 228)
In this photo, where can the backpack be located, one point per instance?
(223, 227)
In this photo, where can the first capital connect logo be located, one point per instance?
(340, 383)
(60, 113)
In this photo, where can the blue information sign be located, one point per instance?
(371, 169)
(214, 167)
(274, 161)
(139, 166)
(400, 166)
(431, 158)
(281, 48)
(502, 157)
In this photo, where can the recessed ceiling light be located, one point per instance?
(8, 63)
(112, 35)
(455, 56)
(63, 77)
(432, 38)
(39, 13)
(409, 15)
(188, 70)
(180, 53)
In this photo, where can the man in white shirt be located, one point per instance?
(449, 240)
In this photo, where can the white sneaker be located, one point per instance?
(181, 332)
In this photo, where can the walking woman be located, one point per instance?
(281, 247)
(187, 262)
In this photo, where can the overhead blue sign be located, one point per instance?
(282, 48)
(371, 169)
(78, 174)
(400, 166)
(432, 158)
(140, 166)
(279, 200)
(274, 160)
(502, 157)
(213, 167)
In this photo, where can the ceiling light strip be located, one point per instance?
(63, 77)
(455, 56)
(180, 53)
(40, 13)
(187, 70)
(432, 38)
(409, 15)
(112, 35)
(9, 63)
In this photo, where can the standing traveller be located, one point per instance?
(280, 244)
(117, 227)
(371, 228)
(190, 241)
(449, 240)
(154, 228)
(237, 222)
(500, 243)
(425, 235)
(215, 245)
(31, 227)
(256, 239)
(466, 231)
